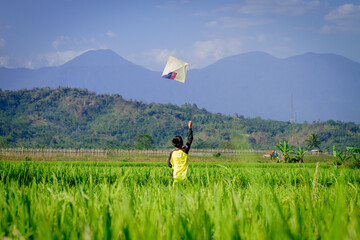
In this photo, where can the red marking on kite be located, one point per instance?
(173, 75)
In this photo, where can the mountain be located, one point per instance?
(324, 86)
(78, 118)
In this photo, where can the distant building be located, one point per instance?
(272, 154)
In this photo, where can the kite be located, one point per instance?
(175, 69)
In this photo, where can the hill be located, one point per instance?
(76, 118)
(254, 84)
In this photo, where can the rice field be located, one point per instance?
(137, 200)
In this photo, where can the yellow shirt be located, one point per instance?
(179, 162)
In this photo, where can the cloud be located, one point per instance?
(214, 49)
(199, 54)
(262, 7)
(4, 61)
(2, 42)
(160, 55)
(12, 62)
(208, 49)
(59, 41)
(58, 58)
(110, 34)
(342, 19)
(266, 7)
(213, 24)
(171, 5)
(153, 59)
(230, 22)
(51, 59)
(346, 11)
(98, 41)
(281, 7)
(204, 53)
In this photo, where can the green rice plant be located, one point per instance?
(137, 200)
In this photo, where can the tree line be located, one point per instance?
(77, 118)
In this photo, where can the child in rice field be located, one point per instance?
(178, 159)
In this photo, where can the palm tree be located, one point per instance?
(299, 154)
(313, 141)
(285, 149)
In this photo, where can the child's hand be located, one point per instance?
(190, 124)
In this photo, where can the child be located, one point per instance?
(178, 159)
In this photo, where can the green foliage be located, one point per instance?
(116, 200)
(299, 154)
(340, 157)
(355, 153)
(77, 118)
(353, 150)
(236, 142)
(217, 155)
(285, 149)
(313, 141)
(5, 142)
(143, 141)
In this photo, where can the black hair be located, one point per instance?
(177, 142)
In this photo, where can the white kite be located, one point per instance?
(175, 69)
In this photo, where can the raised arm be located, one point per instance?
(187, 146)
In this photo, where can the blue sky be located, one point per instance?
(40, 33)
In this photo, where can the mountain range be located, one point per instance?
(309, 87)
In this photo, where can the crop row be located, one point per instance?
(107, 200)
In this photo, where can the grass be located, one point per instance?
(137, 200)
(243, 158)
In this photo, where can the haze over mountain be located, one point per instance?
(324, 86)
